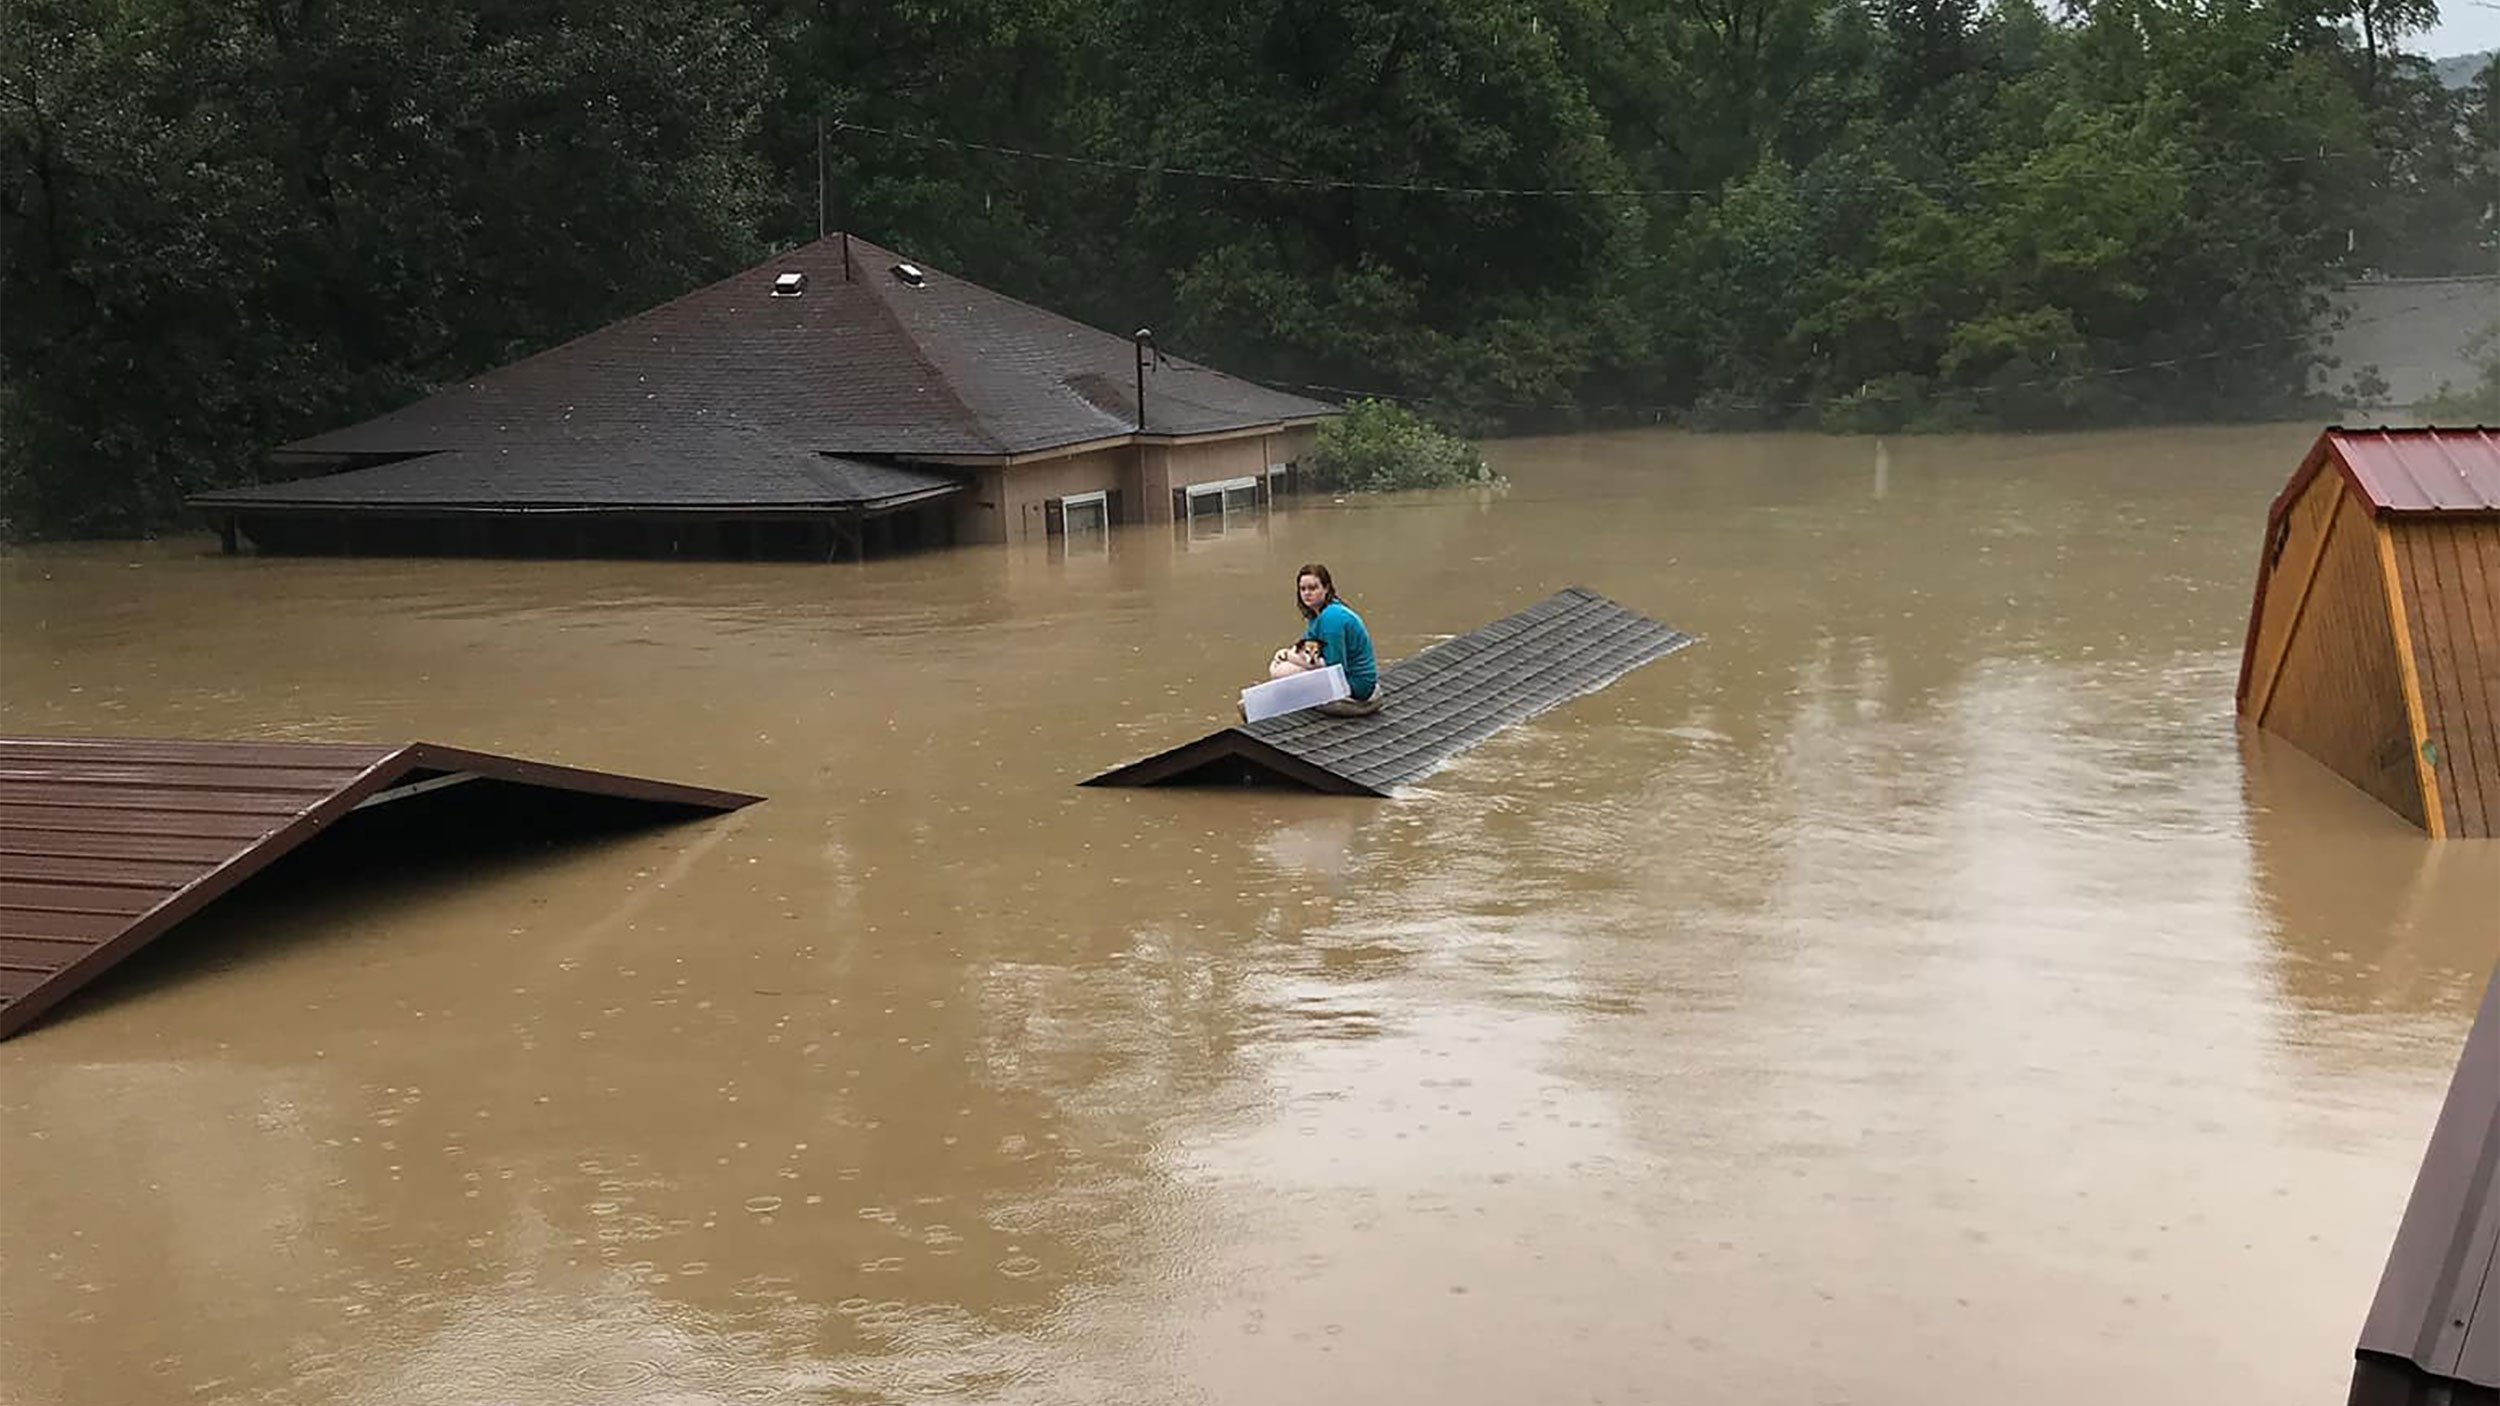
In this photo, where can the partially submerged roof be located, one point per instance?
(2433, 1333)
(2369, 642)
(1437, 703)
(2431, 470)
(105, 844)
(877, 364)
(747, 473)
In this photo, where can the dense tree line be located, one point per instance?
(231, 222)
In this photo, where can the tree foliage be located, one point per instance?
(226, 225)
(1379, 447)
(2478, 401)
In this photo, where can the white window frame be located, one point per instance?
(1218, 489)
(1099, 498)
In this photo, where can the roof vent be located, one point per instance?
(789, 285)
(910, 274)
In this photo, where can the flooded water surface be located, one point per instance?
(1919, 991)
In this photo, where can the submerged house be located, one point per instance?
(831, 401)
(2374, 640)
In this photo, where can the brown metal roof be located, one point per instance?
(2422, 471)
(105, 844)
(2437, 1314)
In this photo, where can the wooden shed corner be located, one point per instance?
(2374, 636)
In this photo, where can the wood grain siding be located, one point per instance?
(2336, 691)
(2409, 678)
(2290, 572)
(2449, 570)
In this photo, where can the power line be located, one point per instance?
(1291, 182)
(1274, 180)
(1260, 178)
(2170, 363)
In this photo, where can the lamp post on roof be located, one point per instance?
(1145, 340)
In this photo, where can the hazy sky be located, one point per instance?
(2465, 27)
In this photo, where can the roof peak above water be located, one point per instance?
(2429, 468)
(867, 351)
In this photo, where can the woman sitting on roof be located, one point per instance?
(1342, 638)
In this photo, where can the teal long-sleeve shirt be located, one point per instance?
(1344, 640)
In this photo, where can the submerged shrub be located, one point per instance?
(2477, 403)
(1376, 447)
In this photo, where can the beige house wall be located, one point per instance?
(1006, 504)
(1154, 484)
(1218, 459)
(980, 515)
(1168, 467)
(1290, 446)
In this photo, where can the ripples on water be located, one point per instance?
(1921, 971)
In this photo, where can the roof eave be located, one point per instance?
(303, 507)
(1039, 454)
(1232, 742)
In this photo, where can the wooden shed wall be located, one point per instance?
(2449, 569)
(2286, 586)
(2326, 674)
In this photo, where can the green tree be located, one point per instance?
(1475, 299)
(228, 224)
(1378, 447)
(223, 225)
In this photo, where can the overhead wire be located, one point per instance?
(1286, 180)
(1318, 183)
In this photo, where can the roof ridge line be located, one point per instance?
(911, 339)
(497, 372)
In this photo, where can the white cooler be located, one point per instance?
(1295, 691)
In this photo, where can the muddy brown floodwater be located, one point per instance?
(1920, 991)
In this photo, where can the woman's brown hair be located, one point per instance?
(1327, 583)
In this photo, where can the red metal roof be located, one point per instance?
(2422, 471)
(104, 844)
(2396, 471)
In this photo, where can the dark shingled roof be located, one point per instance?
(872, 366)
(1436, 704)
(714, 471)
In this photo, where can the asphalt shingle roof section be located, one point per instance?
(724, 471)
(871, 366)
(1438, 703)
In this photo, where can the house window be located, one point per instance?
(1086, 515)
(1211, 508)
(1224, 498)
(1086, 512)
